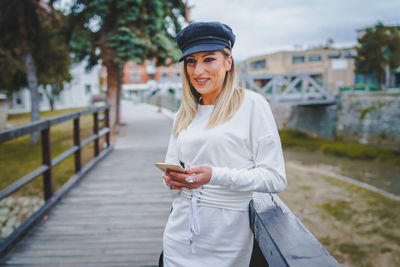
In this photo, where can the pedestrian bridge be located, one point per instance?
(112, 212)
(289, 88)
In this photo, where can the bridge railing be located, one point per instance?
(281, 236)
(295, 88)
(48, 163)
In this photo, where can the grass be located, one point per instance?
(381, 214)
(339, 209)
(294, 138)
(357, 226)
(18, 157)
(23, 118)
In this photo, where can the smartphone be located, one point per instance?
(172, 167)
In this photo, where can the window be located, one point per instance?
(178, 74)
(135, 77)
(333, 56)
(258, 64)
(150, 63)
(164, 75)
(40, 97)
(313, 58)
(19, 101)
(132, 63)
(88, 89)
(298, 59)
(350, 54)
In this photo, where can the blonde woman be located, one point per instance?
(227, 140)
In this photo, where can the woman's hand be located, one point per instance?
(172, 181)
(201, 175)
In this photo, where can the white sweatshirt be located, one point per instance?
(245, 154)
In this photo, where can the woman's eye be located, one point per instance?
(190, 60)
(209, 59)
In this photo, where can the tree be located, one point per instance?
(12, 74)
(32, 49)
(113, 32)
(379, 48)
(54, 71)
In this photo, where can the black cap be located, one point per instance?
(203, 37)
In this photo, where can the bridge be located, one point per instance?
(112, 212)
(290, 88)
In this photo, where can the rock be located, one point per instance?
(6, 231)
(4, 211)
(9, 201)
(25, 202)
(11, 221)
(24, 211)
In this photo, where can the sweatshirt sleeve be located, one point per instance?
(268, 174)
(171, 156)
(172, 151)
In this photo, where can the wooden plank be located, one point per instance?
(283, 239)
(96, 132)
(23, 181)
(114, 222)
(37, 126)
(46, 160)
(114, 217)
(64, 155)
(19, 131)
(107, 125)
(77, 144)
(88, 140)
(33, 219)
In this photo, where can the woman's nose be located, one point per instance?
(199, 69)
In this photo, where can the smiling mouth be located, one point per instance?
(201, 81)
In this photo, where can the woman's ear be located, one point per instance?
(228, 63)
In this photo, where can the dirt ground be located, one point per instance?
(357, 226)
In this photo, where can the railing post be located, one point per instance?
(96, 132)
(46, 159)
(107, 122)
(77, 142)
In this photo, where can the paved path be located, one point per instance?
(116, 215)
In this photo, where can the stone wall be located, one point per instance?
(316, 120)
(364, 117)
(370, 118)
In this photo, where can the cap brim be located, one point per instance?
(201, 48)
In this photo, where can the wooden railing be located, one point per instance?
(282, 238)
(48, 163)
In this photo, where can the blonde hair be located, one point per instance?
(228, 101)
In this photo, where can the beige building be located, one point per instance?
(332, 68)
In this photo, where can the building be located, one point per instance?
(77, 93)
(332, 68)
(141, 80)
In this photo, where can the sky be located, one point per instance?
(266, 26)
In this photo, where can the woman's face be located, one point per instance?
(206, 71)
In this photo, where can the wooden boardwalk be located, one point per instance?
(116, 215)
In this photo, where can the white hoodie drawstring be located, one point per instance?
(194, 227)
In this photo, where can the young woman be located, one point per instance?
(227, 140)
